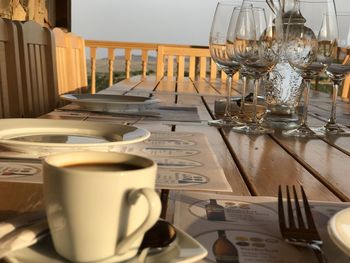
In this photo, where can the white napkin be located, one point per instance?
(22, 231)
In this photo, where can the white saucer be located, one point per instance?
(184, 250)
(339, 230)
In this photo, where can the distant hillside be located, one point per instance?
(119, 64)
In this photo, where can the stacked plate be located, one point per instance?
(110, 103)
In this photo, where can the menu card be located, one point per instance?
(245, 229)
(185, 162)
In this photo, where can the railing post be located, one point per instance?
(127, 62)
(93, 69)
(110, 65)
(144, 62)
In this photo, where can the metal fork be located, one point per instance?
(300, 234)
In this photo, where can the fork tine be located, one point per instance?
(309, 218)
(298, 210)
(290, 210)
(281, 217)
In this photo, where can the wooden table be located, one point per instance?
(253, 165)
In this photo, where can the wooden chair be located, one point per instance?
(38, 68)
(196, 60)
(70, 62)
(10, 75)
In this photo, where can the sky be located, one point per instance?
(152, 21)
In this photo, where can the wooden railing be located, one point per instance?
(111, 46)
(128, 48)
(145, 49)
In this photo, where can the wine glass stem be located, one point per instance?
(333, 117)
(244, 88)
(306, 102)
(228, 103)
(255, 100)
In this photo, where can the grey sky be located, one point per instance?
(154, 21)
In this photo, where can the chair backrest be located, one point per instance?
(62, 60)
(71, 62)
(10, 75)
(78, 61)
(196, 60)
(38, 68)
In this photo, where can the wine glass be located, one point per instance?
(231, 54)
(217, 46)
(309, 46)
(255, 47)
(337, 71)
(273, 6)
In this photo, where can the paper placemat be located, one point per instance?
(185, 162)
(249, 227)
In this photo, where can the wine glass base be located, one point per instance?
(254, 129)
(333, 129)
(302, 132)
(224, 123)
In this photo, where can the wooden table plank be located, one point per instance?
(327, 163)
(19, 198)
(266, 165)
(214, 136)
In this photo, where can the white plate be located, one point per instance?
(110, 103)
(42, 136)
(339, 230)
(184, 250)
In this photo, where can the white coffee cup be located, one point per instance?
(99, 204)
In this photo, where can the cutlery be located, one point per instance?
(161, 235)
(156, 239)
(300, 234)
(23, 237)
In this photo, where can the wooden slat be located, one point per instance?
(10, 75)
(223, 76)
(111, 58)
(213, 70)
(144, 58)
(18, 198)
(181, 68)
(170, 68)
(93, 69)
(203, 67)
(127, 62)
(192, 68)
(266, 165)
(346, 88)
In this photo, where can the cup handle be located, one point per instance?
(154, 208)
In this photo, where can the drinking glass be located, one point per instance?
(231, 54)
(309, 46)
(255, 47)
(337, 72)
(217, 46)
